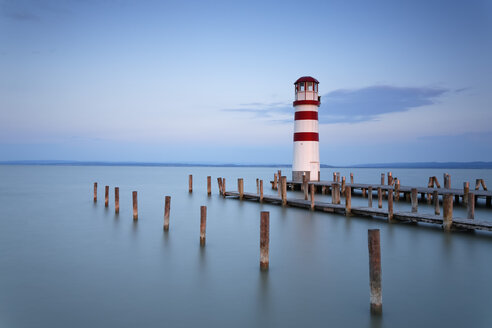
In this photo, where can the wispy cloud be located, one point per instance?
(352, 105)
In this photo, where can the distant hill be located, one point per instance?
(417, 165)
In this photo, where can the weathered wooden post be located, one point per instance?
(397, 189)
(167, 209)
(338, 176)
(279, 173)
(415, 201)
(348, 200)
(203, 224)
(209, 185)
(95, 192)
(274, 186)
(351, 178)
(334, 177)
(363, 192)
(343, 185)
(312, 197)
(219, 185)
(382, 178)
(447, 211)
(264, 240)
(430, 184)
(106, 196)
(257, 186)
(390, 205)
(466, 190)
(477, 183)
(484, 186)
(240, 188)
(390, 178)
(333, 196)
(135, 206)
(223, 187)
(261, 191)
(471, 206)
(447, 181)
(190, 183)
(306, 190)
(380, 197)
(284, 190)
(369, 201)
(375, 271)
(437, 210)
(116, 200)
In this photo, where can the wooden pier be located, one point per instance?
(457, 223)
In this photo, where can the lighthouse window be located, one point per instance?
(302, 86)
(310, 86)
(315, 87)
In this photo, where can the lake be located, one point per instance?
(69, 262)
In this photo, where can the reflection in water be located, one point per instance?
(203, 258)
(263, 297)
(377, 320)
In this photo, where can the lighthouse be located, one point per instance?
(306, 136)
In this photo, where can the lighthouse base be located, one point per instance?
(297, 176)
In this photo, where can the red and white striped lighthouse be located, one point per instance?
(306, 137)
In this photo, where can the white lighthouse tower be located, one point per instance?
(306, 137)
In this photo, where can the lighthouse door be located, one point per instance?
(314, 167)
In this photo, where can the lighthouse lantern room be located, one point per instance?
(306, 137)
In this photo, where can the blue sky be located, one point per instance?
(212, 81)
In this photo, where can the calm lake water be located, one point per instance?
(68, 262)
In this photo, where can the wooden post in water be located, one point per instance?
(312, 197)
(343, 185)
(219, 185)
(333, 196)
(334, 177)
(95, 192)
(375, 271)
(116, 200)
(135, 206)
(264, 240)
(447, 181)
(382, 178)
(306, 189)
(190, 183)
(390, 205)
(484, 186)
(261, 191)
(380, 197)
(257, 186)
(274, 186)
(437, 210)
(240, 188)
(466, 190)
(203, 224)
(351, 178)
(338, 176)
(390, 178)
(364, 193)
(284, 190)
(348, 200)
(430, 184)
(369, 195)
(167, 209)
(447, 211)
(415, 201)
(209, 185)
(106, 196)
(397, 189)
(223, 187)
(279, 173)
(477, 184)
(471, 206)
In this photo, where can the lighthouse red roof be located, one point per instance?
(306, 79)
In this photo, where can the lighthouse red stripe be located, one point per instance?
(306, 136)
(306, 115)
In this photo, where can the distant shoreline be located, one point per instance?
(416, 165)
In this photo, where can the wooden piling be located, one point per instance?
(390, 205)
(167, 209)
(375, 271)
(333, 196)
(209, 185)
(312, 197)
(437, 210)
(415, 202)
(284, 190)
(380, 197)
(447, 210)
(106, 196)
(190, 183)
(203, 224)
(261, 191)
(338, 177)
(264, 240)
(363, 192)
(223, 187)
(274, 186)
(95, 192)
(116, 200)
(219, 185)
(466, 190)
(369, 195)
(430, 184)
(334, 177)
(382, 178)
(447, 181)
(477, 183)
(348, 200)
(305, 188)
(257, 186)
(343, 185)
(351, 177)
(397, 189)
(240, 188)
(135, 206)
(484, 186)
(390, 178)
(471, 206)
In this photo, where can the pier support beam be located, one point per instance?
(283, 184)
(264, 240)
(106, 196)
(369, 200)
(437, 210)
(312, 197)
(240, 188)
(261, 191)
(348, 201)
(447, 210)
(415, 202)
(135, 206)
(203, 224)
(190, 183)
(95, 192)
(471, 206)
(380, 197)
(390, 205)
(374, 247)
(167, 209)
(209, 185)
(116, 200)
